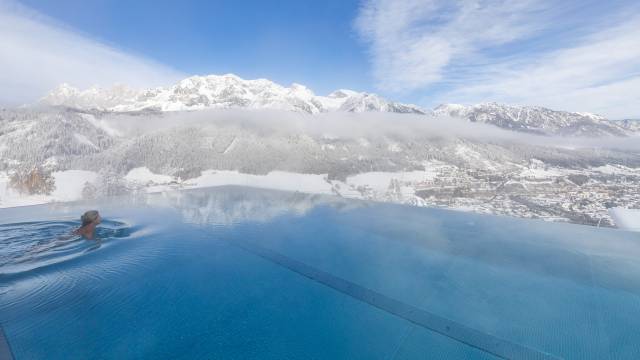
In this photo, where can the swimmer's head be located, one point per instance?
(90, 217)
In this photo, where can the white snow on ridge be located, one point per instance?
(222, 92)
(535, 119)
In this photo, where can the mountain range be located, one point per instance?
(230, 91)
(222, 92)
(537, 120)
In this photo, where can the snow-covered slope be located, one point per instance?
(630, 124)
(226, 91)
(537, 120)
(42, 137)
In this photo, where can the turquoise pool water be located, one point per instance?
(238, 273)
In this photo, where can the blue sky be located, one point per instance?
(308, 42)
(569, 55)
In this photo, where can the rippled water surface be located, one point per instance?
(30, 245)
(237, 273)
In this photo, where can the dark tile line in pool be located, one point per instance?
(5, 350)
(459, 332)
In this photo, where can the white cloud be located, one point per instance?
(36, 55)
(413, 41)
(601, 75)
(527, 52)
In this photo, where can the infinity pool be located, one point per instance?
(240, 273)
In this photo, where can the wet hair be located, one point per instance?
(89, 217)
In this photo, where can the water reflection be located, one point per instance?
(585, 255)
(234, 205)
(382, 233)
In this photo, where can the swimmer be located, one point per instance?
(90, 220)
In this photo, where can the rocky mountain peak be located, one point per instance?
(222, 91)
(534, 119)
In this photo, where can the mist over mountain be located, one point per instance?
(339, 144)
(232, 92)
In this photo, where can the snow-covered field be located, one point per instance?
(69, 184)
(372, 185)
(68, 187)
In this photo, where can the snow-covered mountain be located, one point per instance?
(230, 91)
(534, 119)
(630, 124)
(222, 92)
